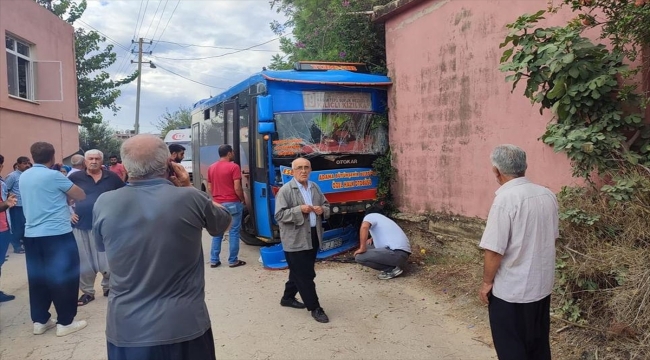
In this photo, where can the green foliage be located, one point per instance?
(385, 170)
(181, 118)
(331, 30)
(625, 23)
(101, 137)
(582, 84)
(95, 89)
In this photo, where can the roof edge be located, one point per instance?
(384, 12)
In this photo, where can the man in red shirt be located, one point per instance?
(117, 168)
(224, 184)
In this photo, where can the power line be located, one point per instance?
(106, 36)
(153, 19)
(165, 28)
(169, 63)
(194, 81)
(222, 55)
(159, 21)
(137, 20)
(143, 16)
(213, 47)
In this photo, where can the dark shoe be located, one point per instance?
(215, 265)
(85, 299)
(19, 251)
(106, 293)
(320, 316)
(293, 303)
(6, 297)
(237, 264)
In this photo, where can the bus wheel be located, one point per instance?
(247, 232)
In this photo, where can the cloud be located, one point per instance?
(228, 24)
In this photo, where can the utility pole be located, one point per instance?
(137, 99)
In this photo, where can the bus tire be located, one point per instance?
(247, 232)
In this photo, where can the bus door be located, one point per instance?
(197, 178)
(261, 197)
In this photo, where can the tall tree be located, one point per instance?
(95, 89)
(329, 30)
(101, 137)
(181, 118)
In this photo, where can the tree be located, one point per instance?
(95, 89)
(101, 137)
(332, 30)
(181, 118)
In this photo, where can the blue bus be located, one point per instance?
(329, 113)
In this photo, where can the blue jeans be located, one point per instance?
(5, 239)
(236, 210)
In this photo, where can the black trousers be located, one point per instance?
(53, 277)
(302, 274)
(17, 226)
(521, 331)
(201, 348)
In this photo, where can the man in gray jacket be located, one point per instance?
(300, 208)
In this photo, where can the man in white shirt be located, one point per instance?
(387, 249)
(519, 268)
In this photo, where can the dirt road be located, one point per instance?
(369, 318)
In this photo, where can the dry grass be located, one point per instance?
(604, 269)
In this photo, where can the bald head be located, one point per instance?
(77, 161)
(144, 157)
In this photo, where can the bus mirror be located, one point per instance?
(266, 127)
(264, 108)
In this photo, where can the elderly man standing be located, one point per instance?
(77, 162)
(151, 232)
(519, 269)
(300, 208)
(50, 248)
(94, 181)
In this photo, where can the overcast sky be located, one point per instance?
(232, 24)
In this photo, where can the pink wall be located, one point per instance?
(450, 105)
(23, 122)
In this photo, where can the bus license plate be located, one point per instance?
(332, 244)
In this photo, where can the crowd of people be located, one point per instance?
(72, 228)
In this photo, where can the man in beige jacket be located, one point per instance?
(300, 208)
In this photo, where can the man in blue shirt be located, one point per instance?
(16, 213)
(50, 247)
(94, 181)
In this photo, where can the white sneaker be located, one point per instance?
(63, 330)
(386, 275)
(40, 329)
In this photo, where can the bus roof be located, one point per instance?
(329, 77)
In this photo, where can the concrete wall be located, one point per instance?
(450, 105)
(24, 122)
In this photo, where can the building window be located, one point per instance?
(19, 68)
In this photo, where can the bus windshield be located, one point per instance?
(304, 133)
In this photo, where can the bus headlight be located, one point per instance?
(335, 209)
(368, 205)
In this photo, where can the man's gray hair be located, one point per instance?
(145, 157)
(94, 152)
(510, 160)
(77, 160)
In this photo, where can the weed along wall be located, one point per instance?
(450, 105)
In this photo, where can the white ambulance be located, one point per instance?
(182, 137)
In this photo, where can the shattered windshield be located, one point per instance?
(305, 133)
